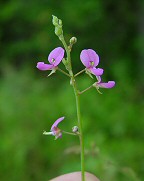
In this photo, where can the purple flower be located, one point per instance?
(55, 131)
(54, 58)
(106, 85)
(90, 60)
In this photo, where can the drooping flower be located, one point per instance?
(55, 131)
(107, 85)
(54, 58)
(90, 60)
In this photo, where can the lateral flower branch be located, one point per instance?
(90, 60)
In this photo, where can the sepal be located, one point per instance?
(52, 72)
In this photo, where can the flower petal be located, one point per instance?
(56, 56)
(96, 71)
(107, 85)
(42, 66)
(56, 123)
(89, 58)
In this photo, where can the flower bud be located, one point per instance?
(58, 31)
(55, 20)
(73, 40)
(75, 129)
(60, 22)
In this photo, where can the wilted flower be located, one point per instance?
(90, 60)
(106, 85)
(55, 131)
(54, 58)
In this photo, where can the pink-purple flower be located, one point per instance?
(54, 58)
(90, 60)
(55, 131)
(107, 85)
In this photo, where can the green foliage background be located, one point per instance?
(30, 102)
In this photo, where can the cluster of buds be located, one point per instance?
(58, 26)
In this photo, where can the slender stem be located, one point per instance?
(79, 73)
(81, 92)
(69, 133)
(62, 71)
(77, 97)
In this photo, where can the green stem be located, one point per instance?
(77, 97)
(62, 71)
(86, 89)
(79, 72)
(66, 132)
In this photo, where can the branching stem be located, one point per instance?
(66, 132)
(81, 92)
(79, 72)
(62, 71)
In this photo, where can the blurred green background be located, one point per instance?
(30, 102)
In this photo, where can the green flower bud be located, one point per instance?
(73, 40)
(55, 20)
(58, 31)
(75, 129)
(60, 22)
